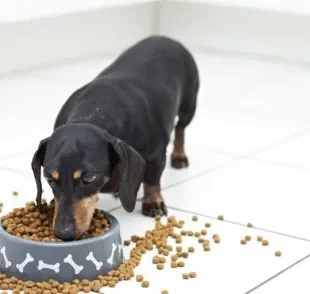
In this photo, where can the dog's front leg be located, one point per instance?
(153, 203)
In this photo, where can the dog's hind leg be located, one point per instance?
(152, 202)
(186, 114)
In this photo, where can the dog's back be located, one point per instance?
(138, 96)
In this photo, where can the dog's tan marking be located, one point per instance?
(55, 212)
(77, 174)
(178, 150)
(83, 211)
(55, 175)
(106, 179)
(152, 194)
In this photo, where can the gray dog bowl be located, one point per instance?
(64, 261)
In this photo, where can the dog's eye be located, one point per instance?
(88, 180)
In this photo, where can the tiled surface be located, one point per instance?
(248, 152)
(294, 152)
(292, 281)
(270, 196)
(240, 266)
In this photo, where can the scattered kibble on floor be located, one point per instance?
(220, 217)
(243, 241)
(127, 242)
(15, 193)
(250, 225)
(181, 263)
(278, 253)
(191, 249)
(153, 239)
(145, 284)
(160, 266)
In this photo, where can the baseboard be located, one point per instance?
(40, 42)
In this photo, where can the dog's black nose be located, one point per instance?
(66, 233)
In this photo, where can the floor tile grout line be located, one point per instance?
(239, 224)
(278, 274)
(278, 143)
(20, 172)
(283, 164)
(226, 221)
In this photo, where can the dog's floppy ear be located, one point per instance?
(132, 169)
(37, 162)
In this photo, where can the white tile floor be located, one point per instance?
(248, 148)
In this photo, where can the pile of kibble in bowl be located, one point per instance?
(31, 224)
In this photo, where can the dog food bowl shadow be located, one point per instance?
(64, 261)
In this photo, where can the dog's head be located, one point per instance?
(77, 161)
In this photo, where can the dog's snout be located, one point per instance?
(65, 233)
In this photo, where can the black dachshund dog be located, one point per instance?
(111, 135)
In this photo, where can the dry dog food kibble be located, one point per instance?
(145, 284)
(250, 225)
(259, 238)
(178, 249)
(31, 224)
(206, 248)
(191, 249)
(278, 253)
(15, 193)
(157, 238)
(156, 260)
(220, 217)
(165, 292)
(195, 218)
(243, 241)
(265, 242)
(248, 238)
(204, 232)
(160, 266)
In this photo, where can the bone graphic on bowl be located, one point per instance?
(27, 260)
(77, 268)
(43, 265)
(91, 258)
(110, 259)
(7, 262)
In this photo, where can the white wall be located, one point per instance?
(274, 28)
(32, 39)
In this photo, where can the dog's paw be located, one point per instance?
(154, 209)
(179, 162)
